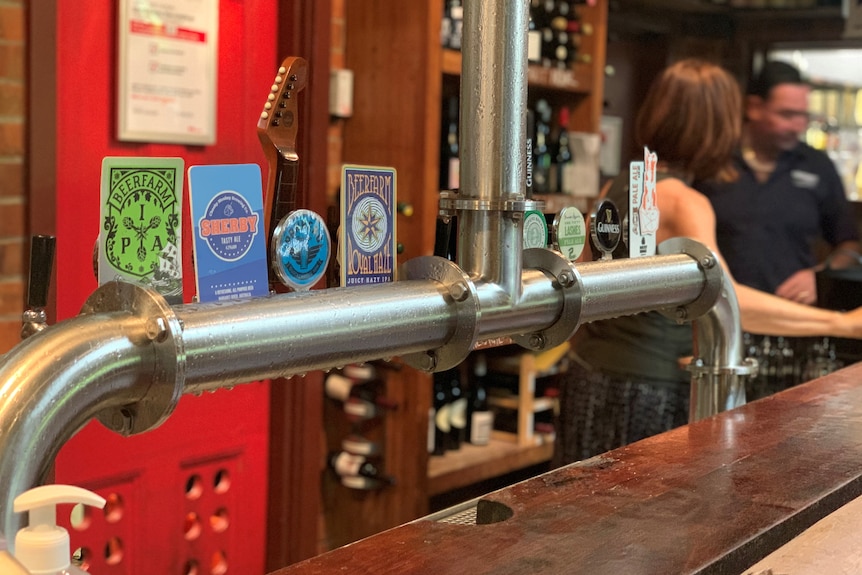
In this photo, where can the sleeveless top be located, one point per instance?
(643, 346)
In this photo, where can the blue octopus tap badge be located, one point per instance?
(300, 249)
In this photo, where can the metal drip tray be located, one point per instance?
(474, 512)
(465, 517)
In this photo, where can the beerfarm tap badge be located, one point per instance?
(140, 235)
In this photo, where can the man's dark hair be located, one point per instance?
(771, 75)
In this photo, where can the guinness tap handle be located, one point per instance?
(41, 264)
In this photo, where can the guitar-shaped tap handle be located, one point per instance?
(277, 129)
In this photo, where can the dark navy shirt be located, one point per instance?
(768, 231)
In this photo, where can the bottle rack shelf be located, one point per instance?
(578, 80)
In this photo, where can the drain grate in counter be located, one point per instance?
(465, 517)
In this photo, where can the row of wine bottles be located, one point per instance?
(784, 363)
(358, 471)
(361, 392)
(460, 411)
(555, 34)
(550, 157)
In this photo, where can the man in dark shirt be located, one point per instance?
(781, 219)
(789, 198)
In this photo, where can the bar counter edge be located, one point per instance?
(712, 497)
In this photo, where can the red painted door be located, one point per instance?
(191, 496)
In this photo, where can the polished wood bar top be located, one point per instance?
(715, 496)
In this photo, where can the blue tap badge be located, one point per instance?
(300, 249)
(226, 204)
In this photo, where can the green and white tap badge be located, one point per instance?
(535, 230)
(141, 213)
(570, 232)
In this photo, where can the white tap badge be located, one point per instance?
(643, 206)
(636, 186)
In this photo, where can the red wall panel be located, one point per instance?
(207, 438)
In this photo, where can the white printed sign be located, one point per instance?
(643, 206)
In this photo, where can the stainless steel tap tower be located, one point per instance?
(129, 356)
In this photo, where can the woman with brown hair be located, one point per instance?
(628, 379)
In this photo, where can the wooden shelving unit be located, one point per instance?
(400, 76)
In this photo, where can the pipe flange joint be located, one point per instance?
(450, 204)
(698, 368)
(713, 275)
(566, 279)
(161, 330)
(462, 291)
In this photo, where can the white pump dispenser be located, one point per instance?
(43, 547)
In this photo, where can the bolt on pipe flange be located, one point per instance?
(712, 273)
(161, 331)
(566, 278)
(466, 301)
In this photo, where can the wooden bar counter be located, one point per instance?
(715, 496)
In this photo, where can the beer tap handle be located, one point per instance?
(41, 265)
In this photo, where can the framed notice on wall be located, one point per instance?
(168, 57)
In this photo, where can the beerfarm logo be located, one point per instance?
(228, 226)
(141, 220)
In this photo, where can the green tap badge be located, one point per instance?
(139, 240)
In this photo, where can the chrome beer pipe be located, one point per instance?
(718, 365)
(490, 205)
(130, 356)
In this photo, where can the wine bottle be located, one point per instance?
(446, 27)
(358, 445)
(442, 405)
(547, 33)
(450, 164)
(534, 33)
(480, 420)
(456, 13)
(564, 162)
(359, 471)
(457, 410)
(541, 150)
(362, 399)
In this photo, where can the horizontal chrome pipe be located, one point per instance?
(292, 334)
(614, 288)
(128, 366)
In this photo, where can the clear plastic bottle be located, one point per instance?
(43, 547)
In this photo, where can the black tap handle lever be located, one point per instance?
(41, 264)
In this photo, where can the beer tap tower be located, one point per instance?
(129, 356)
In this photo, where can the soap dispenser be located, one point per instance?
(43, 546)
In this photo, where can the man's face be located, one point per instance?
(782, 118)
